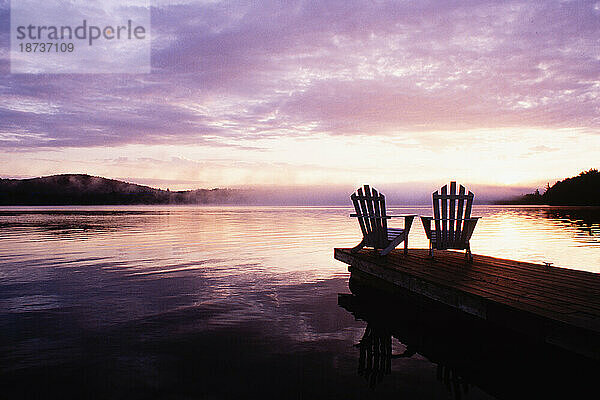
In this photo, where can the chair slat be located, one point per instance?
(383, 221)
(436, 216)
(468, 207)
(364, 211)
(452, 212)
(444, 206)
(379, 233)
(383, 213)
(372, 219)
(459, 213)
(361, 222)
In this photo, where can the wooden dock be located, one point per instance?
(558, 306)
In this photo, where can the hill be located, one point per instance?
(580, 190)
(80, 189)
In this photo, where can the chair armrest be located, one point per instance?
(408, 220)
(370, 216)
(469, 227)
(448, 219)
(382, 217)
(426, 221)
(471, 222)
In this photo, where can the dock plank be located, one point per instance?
(460, 280)
(450, 274)
(531, 282)
(533, 285)
(560, 305)
(568, 277)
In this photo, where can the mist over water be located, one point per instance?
(413, 193)
(183, 301)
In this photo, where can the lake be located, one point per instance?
(222, 302)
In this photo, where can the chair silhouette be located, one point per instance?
(452, 219)
(372, 218)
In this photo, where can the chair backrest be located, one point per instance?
(370, 208)
(450, 209)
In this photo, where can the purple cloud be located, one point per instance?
(230, 71)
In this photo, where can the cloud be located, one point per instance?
(229, 73)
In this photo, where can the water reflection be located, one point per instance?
(375, 359)
(540, 234)
(144, 238)
(142, 302)
(375, 355)
(586, 219)
(468, 352)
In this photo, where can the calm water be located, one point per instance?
(221, 302)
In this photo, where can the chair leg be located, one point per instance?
(406, 245)
(386, 251)
(430, 250)
(468, 254)
(392, 245)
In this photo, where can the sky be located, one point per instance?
(324, 93)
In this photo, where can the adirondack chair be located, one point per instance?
(452, 220)
(372, 218)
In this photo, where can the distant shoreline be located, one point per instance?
(580, 190)
(87, 190)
